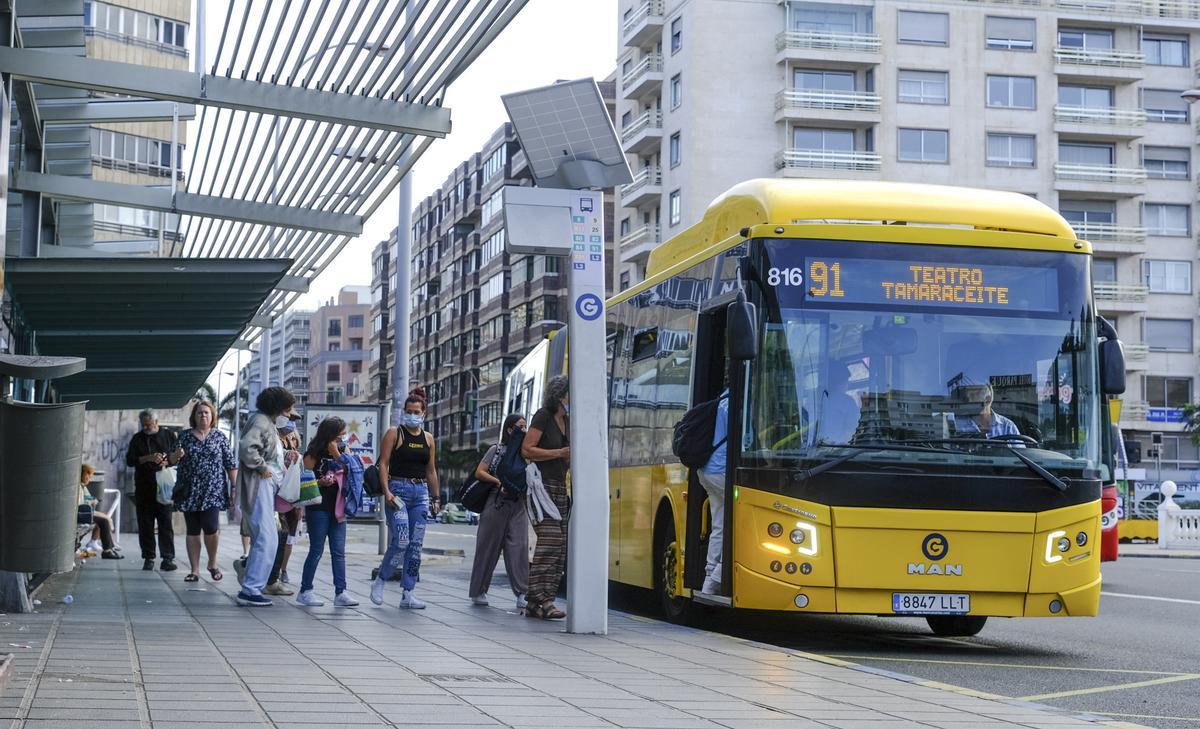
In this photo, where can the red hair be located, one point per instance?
(418, 396)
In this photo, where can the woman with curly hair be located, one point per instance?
(548, 444)
(409, 458)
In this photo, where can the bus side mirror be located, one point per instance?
(742, 329)
(1112, 367)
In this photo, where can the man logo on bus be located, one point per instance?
(935, 547)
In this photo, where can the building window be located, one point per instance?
(333, 373)
(676, 35)
(118, 150)
(1088, 212)
(1167, 277)
(1011, 92)
(356, 344)
(493, 247)
(1104, 270)
(1164, 106)
(930, 29)
(675, 207)
(1011, 150)
(135, 28)
(1167, 220)
(676, 90)
(1090, 155)
(818, 18)
(491, 207)
(354, 321)
(1167, 163)
(1167, 392)
(814, 80)
(335, 327)
(626, 119)
(823, 140)
(493, 288)
(624, 280)
(494, 164)
(924, 87)
(674, 148)
(625, 227)
(1088, 38)
(1010, 34)
(335, 346)
(924, 145)
(1165, 50)
(1087, 97)
(1168, 335)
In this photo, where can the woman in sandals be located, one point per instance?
(326, 520)
(205, 459)
(503, 523)
(548, 444)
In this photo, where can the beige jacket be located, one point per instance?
(258, 447)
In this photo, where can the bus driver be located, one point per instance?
(974, 413)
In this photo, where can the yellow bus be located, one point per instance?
(917, 394)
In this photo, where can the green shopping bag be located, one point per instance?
(310, 492)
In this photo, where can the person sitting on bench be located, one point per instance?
(102, 532)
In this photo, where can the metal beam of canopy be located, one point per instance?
(114, 112)
(225, 93)
(151, 329)
(64, 187)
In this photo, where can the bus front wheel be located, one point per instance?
(960, 626)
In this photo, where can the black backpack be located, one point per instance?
(372, 484)
(511, 470)
(692, 442)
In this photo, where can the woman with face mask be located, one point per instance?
(326, 520)
(409, 458)
(503, 524)
(548, 444)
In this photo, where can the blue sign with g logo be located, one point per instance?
(935, 547)
(589, 307)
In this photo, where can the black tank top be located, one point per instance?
(411, 457)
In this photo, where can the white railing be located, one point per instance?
(649, 120)
(866, 42)
(826, 160)
(1096, 232)
(647, 177)
(1099, 115)
(1135, 410)
(1109, 57)
(647, 9)
(1145, 8)
(645, 234)
(652, 63)
(1136, 352)
(1131, 293)
(1099, 173)
(1178, 528)
(844, 100)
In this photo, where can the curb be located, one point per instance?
(1165, 553)
(6, 669)
(439, 552)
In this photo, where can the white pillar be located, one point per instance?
(400, 304)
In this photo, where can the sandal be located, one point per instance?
(546, 611)
(192, 578)
(215, 574)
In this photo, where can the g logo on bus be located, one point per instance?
(935, 547)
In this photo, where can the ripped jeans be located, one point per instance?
(406, 531)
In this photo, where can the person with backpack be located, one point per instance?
(409, 458)
(326, 520)
(548, 444)
(712, 478)
(503, 523)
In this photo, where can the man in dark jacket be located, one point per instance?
(150, 450)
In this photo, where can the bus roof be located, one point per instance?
(788, 202)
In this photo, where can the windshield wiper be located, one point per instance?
(857, 450)
(1050, 478)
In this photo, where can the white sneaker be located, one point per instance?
(95, 546)
(711, 586)
(408, 601)
(480, 600)
(308, 599)
(377, 591)
(522, 603)
(343, 599)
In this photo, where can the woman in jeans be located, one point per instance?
(407, 455)
(548, 444)
(503, 524)
(206, 460)
(328, 518)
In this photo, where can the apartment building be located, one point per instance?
(1075, 102)
(383, 277)
(291, 337)
(338, 352)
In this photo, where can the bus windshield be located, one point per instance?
(955, 355)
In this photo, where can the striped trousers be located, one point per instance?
(550, 554)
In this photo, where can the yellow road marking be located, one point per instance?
(1017, 665)
(1147, 716)
(1114, 687)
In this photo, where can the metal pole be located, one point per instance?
(265, 363)
(198, 51)
(400, 308)
(237, 401)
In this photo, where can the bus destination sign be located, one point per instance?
(956, 285)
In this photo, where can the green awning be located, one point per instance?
(151, 329)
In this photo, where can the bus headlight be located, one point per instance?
(805, 537)
(1053, 543)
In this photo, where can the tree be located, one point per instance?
(1191, 421)
(206, 392)
(225, 407)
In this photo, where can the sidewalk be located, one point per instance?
(1153, 550)
(140, 649)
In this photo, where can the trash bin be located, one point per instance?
(41, 447)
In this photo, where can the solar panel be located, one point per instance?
(568, 123)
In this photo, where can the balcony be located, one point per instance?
(790, 160)
(1100, 180)
(1189, 9)
(1109, 238)
(825, 48)
(1135, 411)
(519, 163)
(644, 24)
(643, 134)
(644, 78)
(1099, 121)
(646, 188)
(856, 107)
(1120, 297)
(636, 246)
(1102, 63)
(1136, 356)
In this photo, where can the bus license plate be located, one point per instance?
(931, 603)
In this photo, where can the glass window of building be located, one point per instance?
(491, 207)
(930, 29)
(1088, 212)
(676, 91)
(333, 373)
(676, 35)
(924, 87)
(335, 327)
(1011, 92)
(1086, 38)
(1164, 105)
(924, 145)
(831, 18)
(1162, 49)
(1089, 97)
(495, 162)
(1104, 270)
(1010, 34)
(624, 280)
(1166, 219)
(675, 150)
(823, 140)
(1167, 392)
(1168, 277)
(1091, 155)
(1011, 150)
(355, 321)
(1167, 163)
(1167, 335)
(806, 79)
(675, 207)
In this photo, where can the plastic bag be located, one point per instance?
(289, 490)
(310, 492)
(165, 478)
